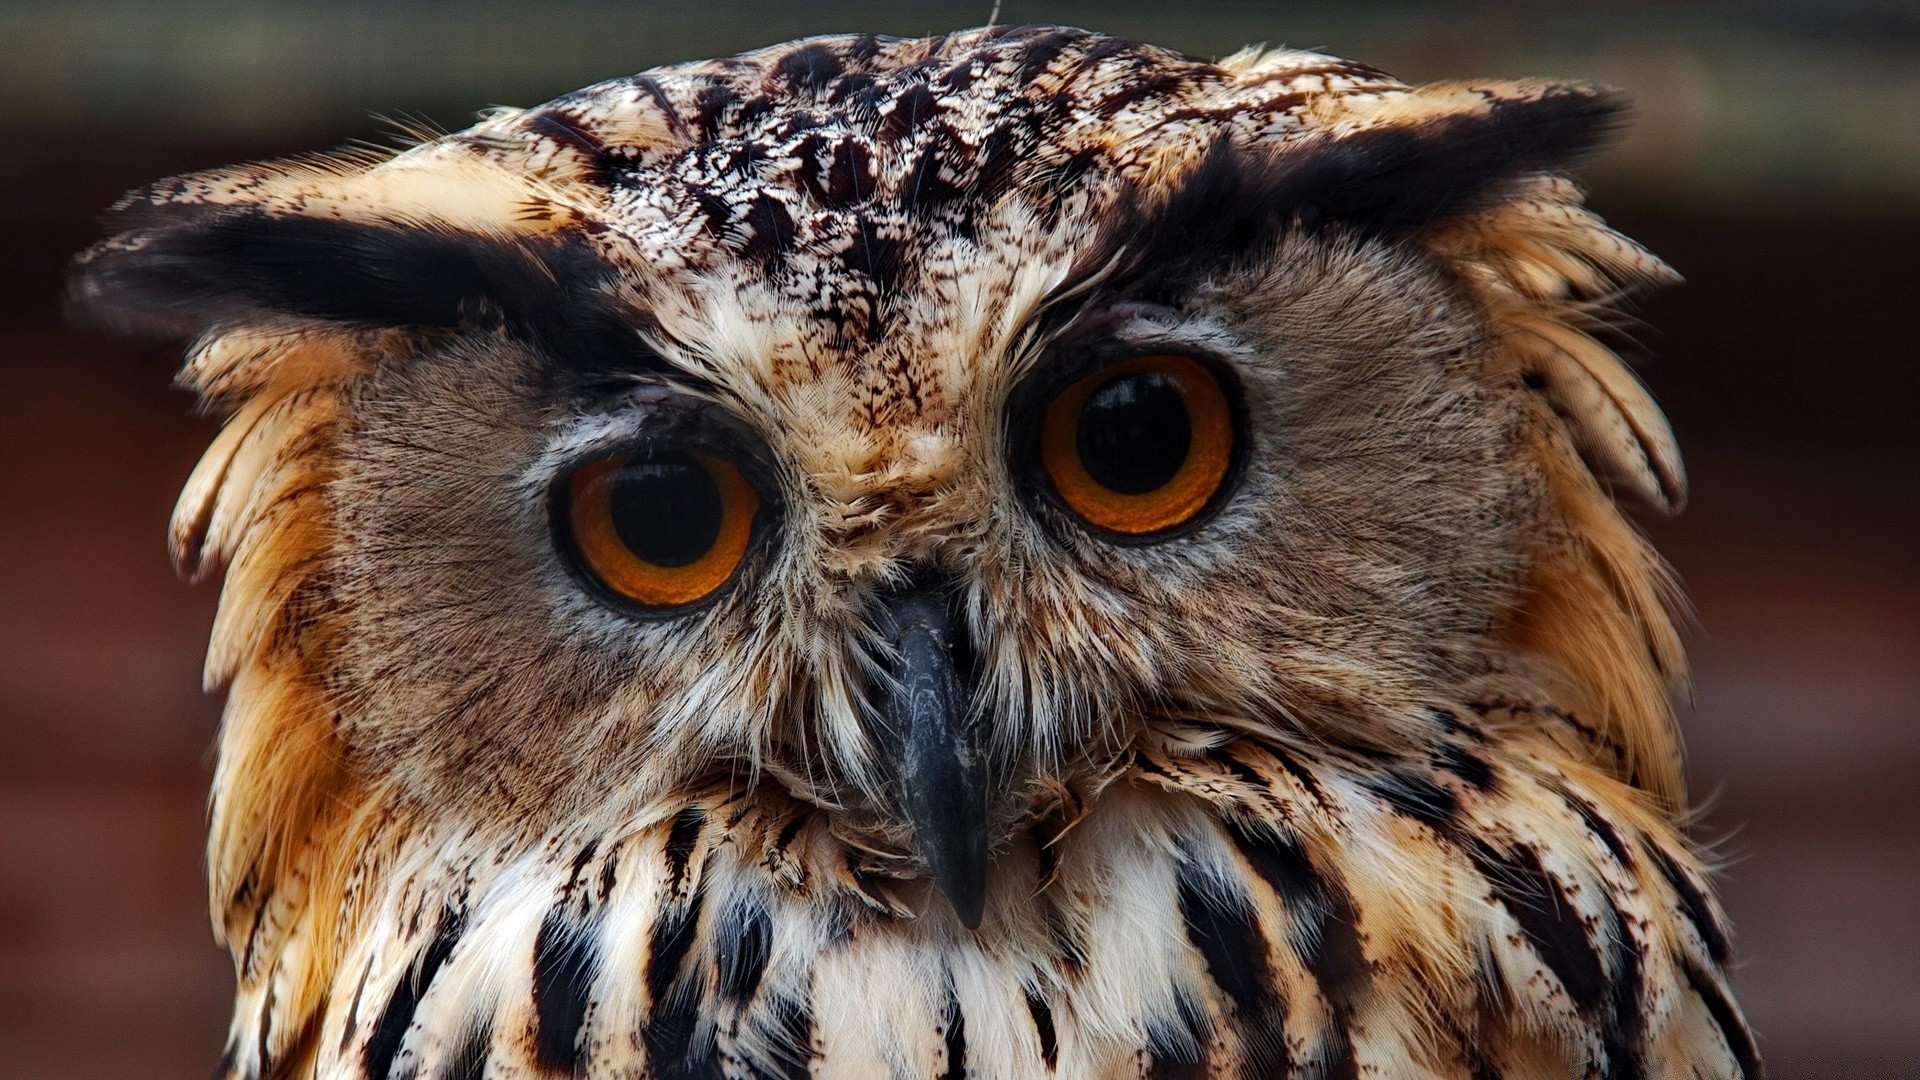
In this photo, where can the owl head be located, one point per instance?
(906, 424)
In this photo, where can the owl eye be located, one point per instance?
(1140, 447)
(662, 528)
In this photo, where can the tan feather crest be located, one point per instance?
(284, 799)
(1546, 269)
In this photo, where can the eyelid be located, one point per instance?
(656, 412)
(1118, 334)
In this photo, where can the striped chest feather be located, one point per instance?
(1238, 910)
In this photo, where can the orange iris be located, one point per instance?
(661, 529)
(1141, 446)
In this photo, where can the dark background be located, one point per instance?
(1776, 163)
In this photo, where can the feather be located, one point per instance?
(193, 511)
(1620, 432)
(1545, 268)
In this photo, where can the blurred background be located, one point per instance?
(1776, 163)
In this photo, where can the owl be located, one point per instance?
(1013, 554)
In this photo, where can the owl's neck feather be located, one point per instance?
(1598, 611)
(1219, 904)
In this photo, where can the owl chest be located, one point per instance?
(1190, 925)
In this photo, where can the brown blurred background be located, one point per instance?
(1776, 163)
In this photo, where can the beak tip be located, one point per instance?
(968, 895)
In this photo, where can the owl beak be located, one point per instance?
(925, 704)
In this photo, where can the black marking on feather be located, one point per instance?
(673, 935)
(1147, 84)
(1300, 773)
(673, 1017)
(580, 860)
(1417, 797)
(1045, 863)
(879, 258)
(1241, 771)
(1151, 767)
(811, 68)
(1602, 828)
(923, 186)
(914, 106)
(469, 1058)
(609, 874)
(1326, 934)
(1732, 1028)
(259, 922)
(1227, 934)
(849, 177)
(1694, 902)
(1451, 722)
(788, 831)
(1044, 49)
(711, 104)
(315, 268)
(1539, 902)
(1043, 1028)
(954, 1037)
(212, 266)
(1000, 153)
(1177, 1064)
(1626, 1021)
(388, 1032)
(867, 46)
(297, 1049)
(771, 228)
(682, 835)
(742, 940)
(1179, 1053)
(563, 127)
(1479, 1066)
(713, 206)
(349, 1028)
(1468, 766)
(868, 889)
(564, 958)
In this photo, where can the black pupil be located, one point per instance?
(666, 508)
(1134, 432)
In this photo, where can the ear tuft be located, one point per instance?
(1396, 163)
(422, 239)
(216, 268)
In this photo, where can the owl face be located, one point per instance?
(591, 586)
(904, 423)
(625, 574)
